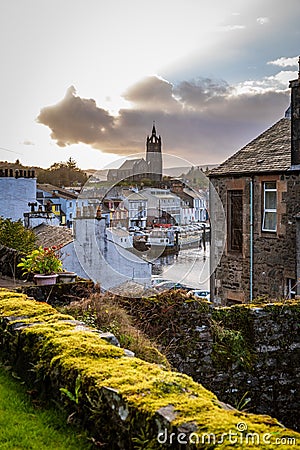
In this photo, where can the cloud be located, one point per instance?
(262, 20)
(152, 92)
(75, 120)
(275, 83)
(231, 27)
(285, 62)
(203, 119)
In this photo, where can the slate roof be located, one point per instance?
(134, 196)
(61, 192)
(48, 235)
(191, 193)
(129, 163)
(269, 152)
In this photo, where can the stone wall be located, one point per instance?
(241, 351)
(125, 402)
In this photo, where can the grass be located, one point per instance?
(25, 426)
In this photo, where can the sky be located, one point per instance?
(86, 79)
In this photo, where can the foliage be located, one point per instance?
(230, 348)
(241, 404)
(15, 235)
(73, 397)
(104, 313)
(63, 174)
(42, 261)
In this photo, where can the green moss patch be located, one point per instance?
(121, 399)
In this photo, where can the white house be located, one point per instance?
(162, 203)
(60, 201)
(136, 204)
(17, 190)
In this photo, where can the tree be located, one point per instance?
(63, 174)
(15, 235)
(71, 164)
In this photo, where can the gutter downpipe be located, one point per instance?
(251, 239)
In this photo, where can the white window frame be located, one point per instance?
(290, 288)
(269, 210)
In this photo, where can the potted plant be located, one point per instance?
(44, 263)
(66, 277)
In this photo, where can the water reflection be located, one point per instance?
(190, 267)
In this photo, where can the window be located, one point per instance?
(269, 222)
(235, 220)
(290, 288)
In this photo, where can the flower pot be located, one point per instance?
(66, 277)
(44, 280)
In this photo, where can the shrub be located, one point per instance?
(15, 235)
(104, 313)
(42, 261)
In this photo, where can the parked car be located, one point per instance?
(134, 228)
(171, 285)
(156, 281)
(199, 293)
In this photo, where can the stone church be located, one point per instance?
(139, 168)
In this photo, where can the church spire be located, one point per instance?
(153, 129)
(153, 154)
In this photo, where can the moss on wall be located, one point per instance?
(124, 401)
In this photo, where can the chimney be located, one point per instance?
(295, 120)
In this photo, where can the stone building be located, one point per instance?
(131, 168)
(259, 187)
(139, 168)
(154, 155)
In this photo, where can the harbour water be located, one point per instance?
(189, 267)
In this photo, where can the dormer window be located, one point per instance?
(269, 222)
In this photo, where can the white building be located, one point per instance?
(136, 204)
(162, 204)
(61, 201)
(17, 189)
(97, 254)
(193, 207)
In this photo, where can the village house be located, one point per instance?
(136, 205)
(193, 203)
(17, 190)
(163, 206)
(61, 202)
(259, 187)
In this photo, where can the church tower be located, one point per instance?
(154, 156)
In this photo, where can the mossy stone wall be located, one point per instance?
(239, 351)
(126, 403)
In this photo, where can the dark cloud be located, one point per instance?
(152, 93)
(200, 120)
(76, 119)
(195, 93)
